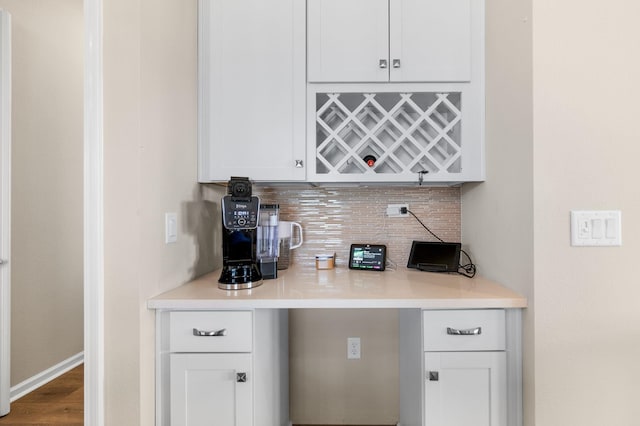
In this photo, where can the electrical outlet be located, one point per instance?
(353, 348)
(393, 210)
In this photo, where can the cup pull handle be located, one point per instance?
(467, 332)
(212, 333)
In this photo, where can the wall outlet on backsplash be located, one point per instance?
(395, 210)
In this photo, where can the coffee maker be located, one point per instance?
(240, 215)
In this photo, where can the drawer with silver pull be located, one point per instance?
(464, 330)
(211, 331)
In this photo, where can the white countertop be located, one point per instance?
(306, 287)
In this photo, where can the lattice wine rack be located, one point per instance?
(388, 133)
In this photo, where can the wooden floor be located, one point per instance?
(59, 402)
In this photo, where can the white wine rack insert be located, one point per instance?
(388, 133)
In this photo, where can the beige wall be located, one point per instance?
(325, 387)
(586, 150)
(47, 312)
(497, 215)
(150, 169)
(561, 135)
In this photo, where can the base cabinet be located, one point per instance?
(460, 367)
(465, 388)
(230, 367)
(222, 368)
(211, 389)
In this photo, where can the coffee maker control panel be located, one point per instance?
(240, 213)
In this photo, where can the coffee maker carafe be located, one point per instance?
(240, 213)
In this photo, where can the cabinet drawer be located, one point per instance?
(464, 330)
(218, 331)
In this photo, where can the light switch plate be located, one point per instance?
(170, 228)
(596, 228)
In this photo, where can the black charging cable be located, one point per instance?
(469, 269)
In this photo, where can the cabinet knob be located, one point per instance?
(396, 63)
(241, 377)
(434, 376)
(383, 63)
(299, 164)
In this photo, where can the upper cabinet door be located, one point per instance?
(430, 40)
(348, 40)
(252, 86)
(392, 40)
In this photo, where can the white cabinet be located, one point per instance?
(222, 368)
(393, 40)
(211, 389)
(454, 366)
(474, 376)
(396, 91)
(230, 368)
(251, 85)
(465, 388)
(269, 72)
(348, 40)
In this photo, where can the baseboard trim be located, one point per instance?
(44, 377)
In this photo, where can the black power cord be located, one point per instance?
(469, 269)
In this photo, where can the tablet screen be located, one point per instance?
(368, 257)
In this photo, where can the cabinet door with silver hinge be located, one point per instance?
(465, 388)
(211, 389)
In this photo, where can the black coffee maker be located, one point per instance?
(239, 237)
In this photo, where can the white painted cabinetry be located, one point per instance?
(392, 40)
(251, 85)
(311, 91)
(211, 389)
(460, 378)
(222, 368)
(396, 91)
(465, 367)
(465, 388)
(348, 40)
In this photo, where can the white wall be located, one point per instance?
(47, 301)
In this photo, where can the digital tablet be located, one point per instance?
(368, 257)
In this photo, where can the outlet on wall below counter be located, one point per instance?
(353, 348)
